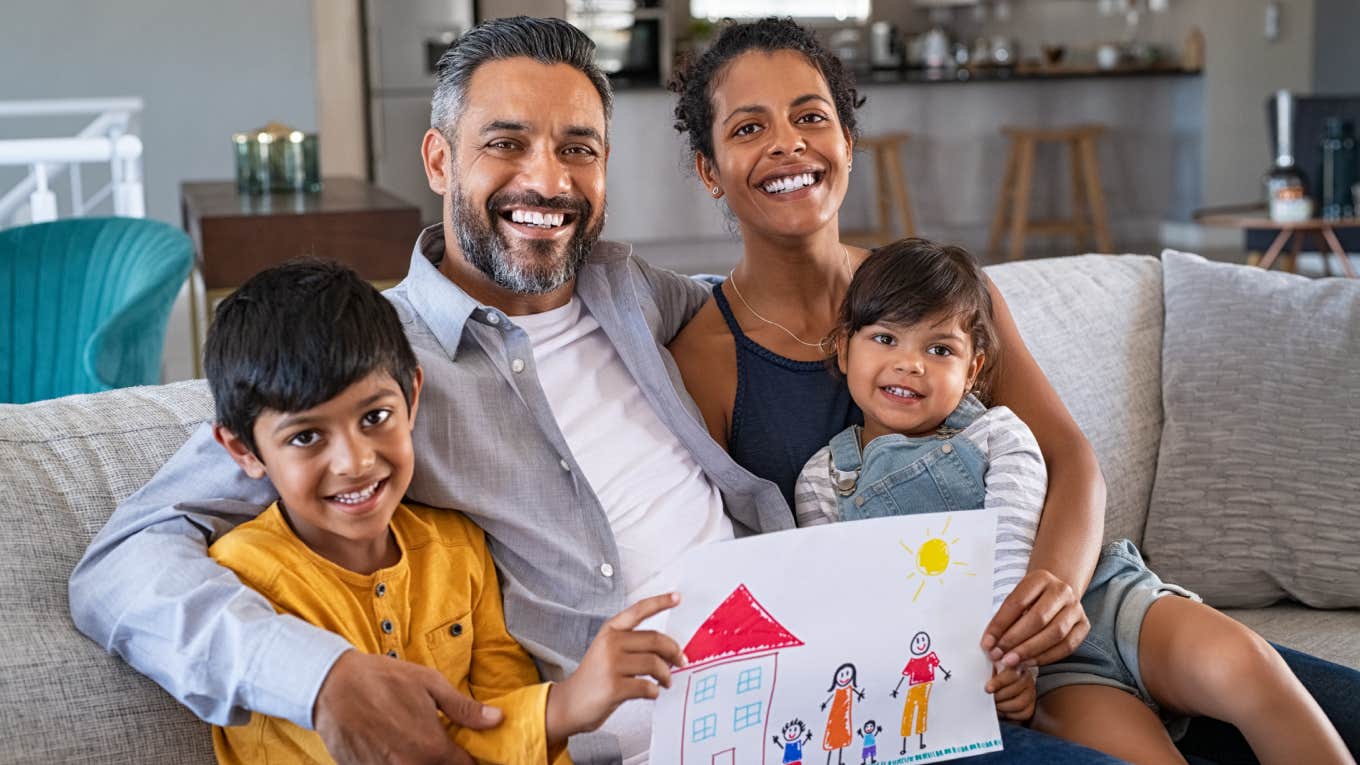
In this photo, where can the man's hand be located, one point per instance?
(615, 669)
(1014, 692)
(1041, 621)
(378, 709)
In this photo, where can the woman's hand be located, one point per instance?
(1013, 689)
(616, 668)
(1041, 621)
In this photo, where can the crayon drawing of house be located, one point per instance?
(730, 679)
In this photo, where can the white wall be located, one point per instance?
(205, 70)
(1241, 67)
(1336, 57)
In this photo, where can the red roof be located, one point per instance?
(738, 626)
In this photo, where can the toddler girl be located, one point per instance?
(915, 342)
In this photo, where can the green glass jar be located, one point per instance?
(276, 158)
(1338, 170)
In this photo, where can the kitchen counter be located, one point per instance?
(1011, 74)
(1151, 156)
(919, 76)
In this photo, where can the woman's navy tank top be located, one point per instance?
(784, 411)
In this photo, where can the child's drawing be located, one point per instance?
(791, 739)
(932, 558)
(869, 733)
(730, 681)
(773, 671)
(919, 674)
(844, 689)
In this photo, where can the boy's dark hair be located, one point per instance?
(294, 337)
(914, 279)
(802, 726)
(694, 78)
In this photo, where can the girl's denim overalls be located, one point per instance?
(902, 475)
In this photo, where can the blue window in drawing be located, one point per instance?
(746, 716)
(748, 680)
(704, 727)
(707, 688)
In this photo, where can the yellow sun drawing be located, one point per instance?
(932, 558)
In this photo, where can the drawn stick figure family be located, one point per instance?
(919, 675)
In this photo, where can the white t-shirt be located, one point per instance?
(658, 501)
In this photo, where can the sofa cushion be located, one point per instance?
(1094, 324)
(1257, 496)
(65, 465)
(1330, 635)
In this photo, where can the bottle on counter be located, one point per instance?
(1286, 191)
(1338, 169)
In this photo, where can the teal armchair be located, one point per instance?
(84, 303)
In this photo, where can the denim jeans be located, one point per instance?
(1030, 747)
(1208, 741)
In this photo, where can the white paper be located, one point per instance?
(768, 623)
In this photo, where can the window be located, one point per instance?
(707, 688)
(746, 716)
(841, 10)
(748, 680)
(704, 727)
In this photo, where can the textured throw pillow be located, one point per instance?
(1257, 494)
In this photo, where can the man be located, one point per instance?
(553, 418)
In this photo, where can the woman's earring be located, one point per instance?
(716, 191)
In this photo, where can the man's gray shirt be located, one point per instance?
(486, 443)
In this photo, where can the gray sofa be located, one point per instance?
(1107, 330)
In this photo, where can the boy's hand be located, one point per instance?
(1041, 621)
(1014, 692)
(376, 709)
(614, 670)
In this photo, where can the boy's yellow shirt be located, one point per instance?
(439, 606)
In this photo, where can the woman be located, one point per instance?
(770, 118)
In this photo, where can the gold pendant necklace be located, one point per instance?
(821, 345)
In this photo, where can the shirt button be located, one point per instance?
(456, 629)
(392, 654)
(493, 318)
(565, 466)
(517, 366)
(859, 501)
(380, 590)
(947, 448)
(606, 569)
(386, 626)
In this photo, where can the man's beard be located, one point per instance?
(545, 269)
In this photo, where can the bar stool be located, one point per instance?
(1088, 202)
(891, 191)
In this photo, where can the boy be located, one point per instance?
(316, 387)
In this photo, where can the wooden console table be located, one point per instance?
(1298, 232)
(237, 236)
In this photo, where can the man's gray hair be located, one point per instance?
(548, 41)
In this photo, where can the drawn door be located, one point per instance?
(726, 757)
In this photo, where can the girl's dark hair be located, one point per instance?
(913, 279)
(695, 78)
(294, 337)
(854, 676)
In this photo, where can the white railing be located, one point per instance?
(109, 138)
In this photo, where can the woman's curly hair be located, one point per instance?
(694, 78)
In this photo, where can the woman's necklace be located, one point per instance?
(731, 277)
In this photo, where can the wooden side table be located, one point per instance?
(1298, 232)
(236, 236)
